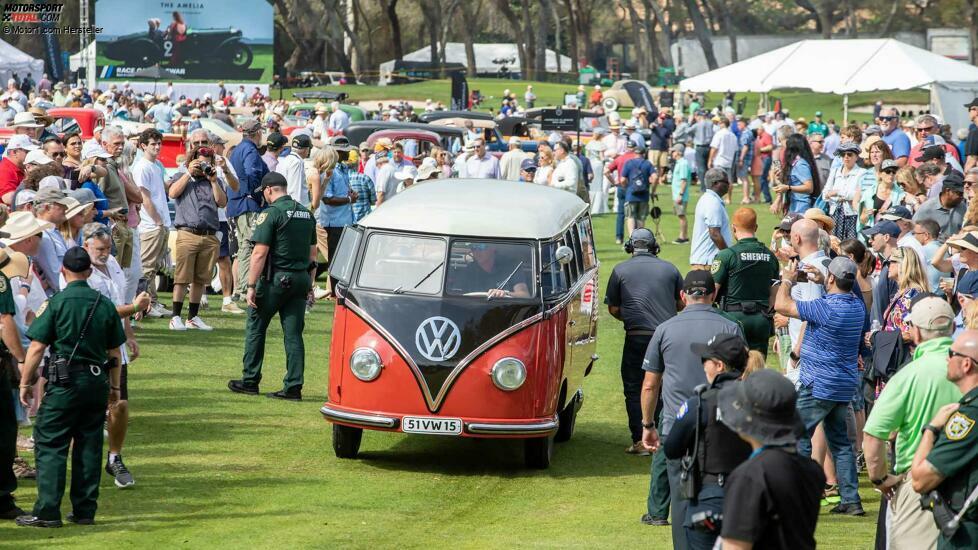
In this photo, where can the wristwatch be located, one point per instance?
(878, 482)
(648, 426)
(932, 429)
(252, 285)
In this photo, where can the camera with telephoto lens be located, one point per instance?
(943, 515)
(207, 169)
(707, 521)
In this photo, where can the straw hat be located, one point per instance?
(13, 264)
(820, 217)
(867, 143)
(77, 208)
(427, 169)
(41, 116)
(24, 120)
(21, 225)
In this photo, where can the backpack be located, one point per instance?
(637, 181)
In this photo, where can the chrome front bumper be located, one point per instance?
(474, 428)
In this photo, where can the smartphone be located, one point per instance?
(142, 285)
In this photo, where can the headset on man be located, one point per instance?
(642, 235)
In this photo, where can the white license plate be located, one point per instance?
(431, 425)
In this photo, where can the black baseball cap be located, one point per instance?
(953, 182)
(729, 348)
(276, 140)
(272, 179)
(931, 152)
(302, 141)
(699, 282)
(974, 103)
(77, 260)
(788, 221)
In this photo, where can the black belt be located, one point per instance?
(707, 145)
(639, 332)
(197, 231)
(734, 308)
(718, 479)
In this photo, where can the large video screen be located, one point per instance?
(195, 40)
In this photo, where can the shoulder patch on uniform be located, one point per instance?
(261, 218)
(41, 309)
(715, 266)
(683, 409)
(958, 426)
(3, 284)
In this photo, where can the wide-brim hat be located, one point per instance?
(14, 264)
(762, 406)
(41, 116)
(425, 172)
(77, 208)
(24, 120)
(21, 225)
(969, 241)
(867, 143)
(818, 216)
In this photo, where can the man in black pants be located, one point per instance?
(643, 292)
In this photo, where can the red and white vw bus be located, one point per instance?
(464, 308)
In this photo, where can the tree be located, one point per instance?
(470, 19)
(725, 10)
(660, 19)
(640, 57)
(702, 32)
(390, 10)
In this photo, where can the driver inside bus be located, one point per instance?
(485, 274)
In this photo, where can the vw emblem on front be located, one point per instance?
(437, 338)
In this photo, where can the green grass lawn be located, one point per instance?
(216, 469)
(798, 102)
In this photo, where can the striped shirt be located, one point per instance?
(836, 323)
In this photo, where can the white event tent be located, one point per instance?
(844, 67)
(13, 61)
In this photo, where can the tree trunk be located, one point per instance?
(640, 58)
(465, 27)
(556, 16)
(702, 32)
(517, 29)
(357, 52)
(725, 16)
(574, 51)
(531, 41)
(395, 24)
(888, 24)
(972, 9)
(660, 17)
(542, 30)
(369, 31)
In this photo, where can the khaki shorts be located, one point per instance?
(909, 527)
(195, 256)
(637, 210)
(679, 209)
(122, 239)
(659, 159)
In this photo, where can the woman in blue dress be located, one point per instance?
(798, 181)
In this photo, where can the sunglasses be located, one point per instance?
(59, 155)
(199, 143)
(849, 154)
(926, 129)
(951, 354)
(889, 117)
(889, 171)
(816, 141)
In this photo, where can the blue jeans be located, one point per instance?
(765, 184)
(709, 498)
(702, 159)
(677, 503)
(620, 219)
(832, 415)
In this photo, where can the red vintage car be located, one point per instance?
(423, 141)
(464, 308)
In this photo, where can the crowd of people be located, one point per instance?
(868, 289)
(868, 285)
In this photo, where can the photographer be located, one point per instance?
(947, 458)
(709, 450)
(197, 194)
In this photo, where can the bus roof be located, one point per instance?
(479, 208)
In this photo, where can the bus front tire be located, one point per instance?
(538, 451)
(346, 441)
(566, 419)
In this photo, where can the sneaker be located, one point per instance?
(158, 311)
(860, 462)
(680, 241)
(291, 394)
(637, 449)
(830, 490)
(617, 241)
(240, 386)
(23, 470)
(232, 308)
(203, 302)
(80, 521)
(649, 520)
(319, 293)
(34, 521)
(176, 323)
(118, 470)
(198, 324)
(849, 509)
(25, 443)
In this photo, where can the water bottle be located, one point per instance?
(875, 326)
(784, 348)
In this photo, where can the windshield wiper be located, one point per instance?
(502, 284)
(400, 289)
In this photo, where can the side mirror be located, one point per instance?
(564, 255)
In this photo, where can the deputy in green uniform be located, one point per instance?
(81, 379)
(947, 456)
(743, 274)
(283, 264)
(12, 264)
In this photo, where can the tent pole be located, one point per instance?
(845, 109)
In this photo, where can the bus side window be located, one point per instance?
(587, 242)
(574, 266)
(553, 279)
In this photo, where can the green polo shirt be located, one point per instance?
(60, 320)
(745, 271)
(911, 399)
(288, 229)
(955, 455)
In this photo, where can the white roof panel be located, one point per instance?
(479, 208)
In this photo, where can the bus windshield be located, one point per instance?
(403, 263)
(491, 269)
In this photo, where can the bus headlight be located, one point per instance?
(365, 364)
(508, 374)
